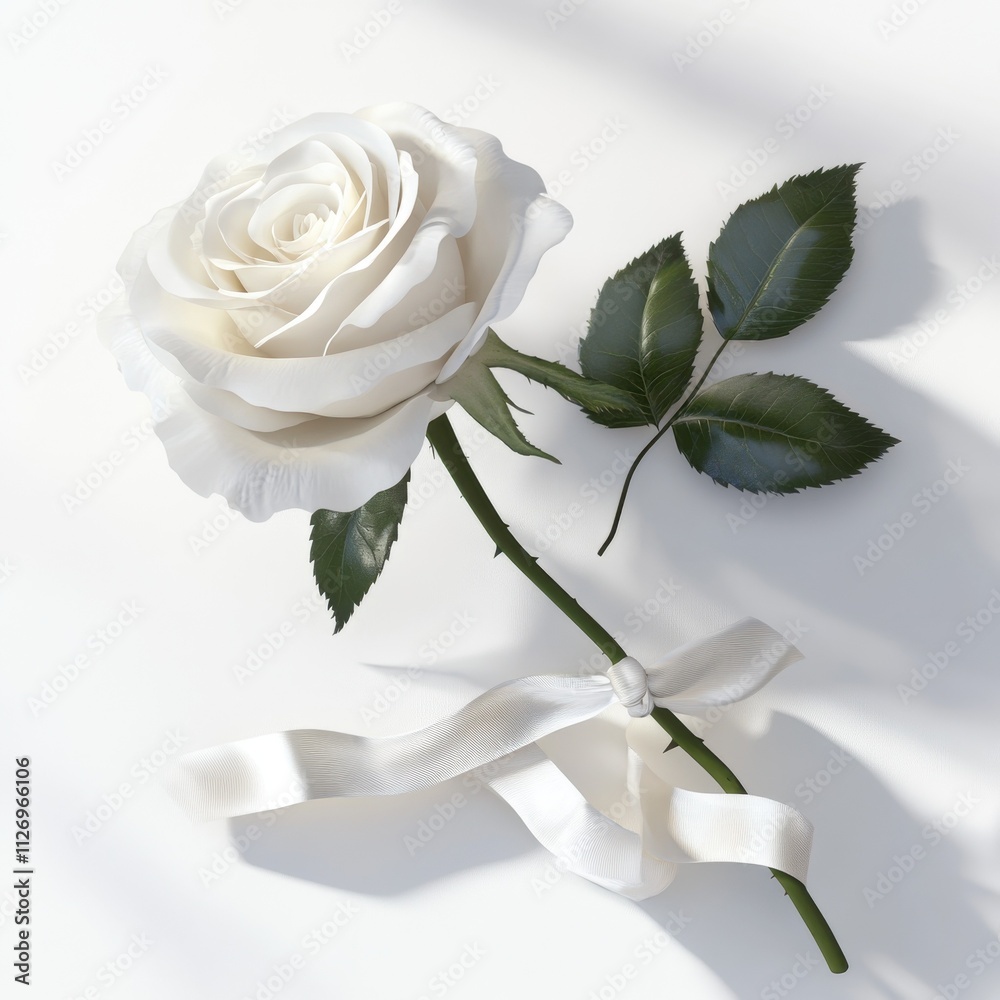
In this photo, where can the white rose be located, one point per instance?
(293, 321)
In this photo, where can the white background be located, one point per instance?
(204, 77)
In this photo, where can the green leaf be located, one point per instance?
(595, 398)
(671, 330)
(348, 550)
(644, 333)
(775, 434)
(779, 257)
(477, 391)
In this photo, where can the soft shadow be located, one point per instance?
(861, 832)
(388, 846)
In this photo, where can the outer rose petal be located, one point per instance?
(512, 201)
(336, 464)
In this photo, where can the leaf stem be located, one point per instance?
(442, 437)
(656, 437)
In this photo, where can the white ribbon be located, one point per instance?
(635, 856)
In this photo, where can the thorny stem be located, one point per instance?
(442, 437)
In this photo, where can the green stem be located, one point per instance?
(656, 437)
(695, 748)
(442, 437)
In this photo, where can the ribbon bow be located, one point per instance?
(635, 855)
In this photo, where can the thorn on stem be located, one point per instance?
(671, 746)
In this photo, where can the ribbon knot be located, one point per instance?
(630, 683)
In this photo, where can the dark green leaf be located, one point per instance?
(779, 257)
(349, 549)
(644, 333)
(595, 398)
(671, 331)
(477, 391)
(775, 434)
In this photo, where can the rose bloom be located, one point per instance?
(294, 320)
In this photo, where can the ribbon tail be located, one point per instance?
(582, 839)
(264, 772)
(722, 668)
(690, 827)
(672, 826)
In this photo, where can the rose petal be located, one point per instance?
(427, 281)
(328, 386)
(331, 129)
(331, 464)
(445, 160)
(229, 406)
(498, 269)
(310, 331)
